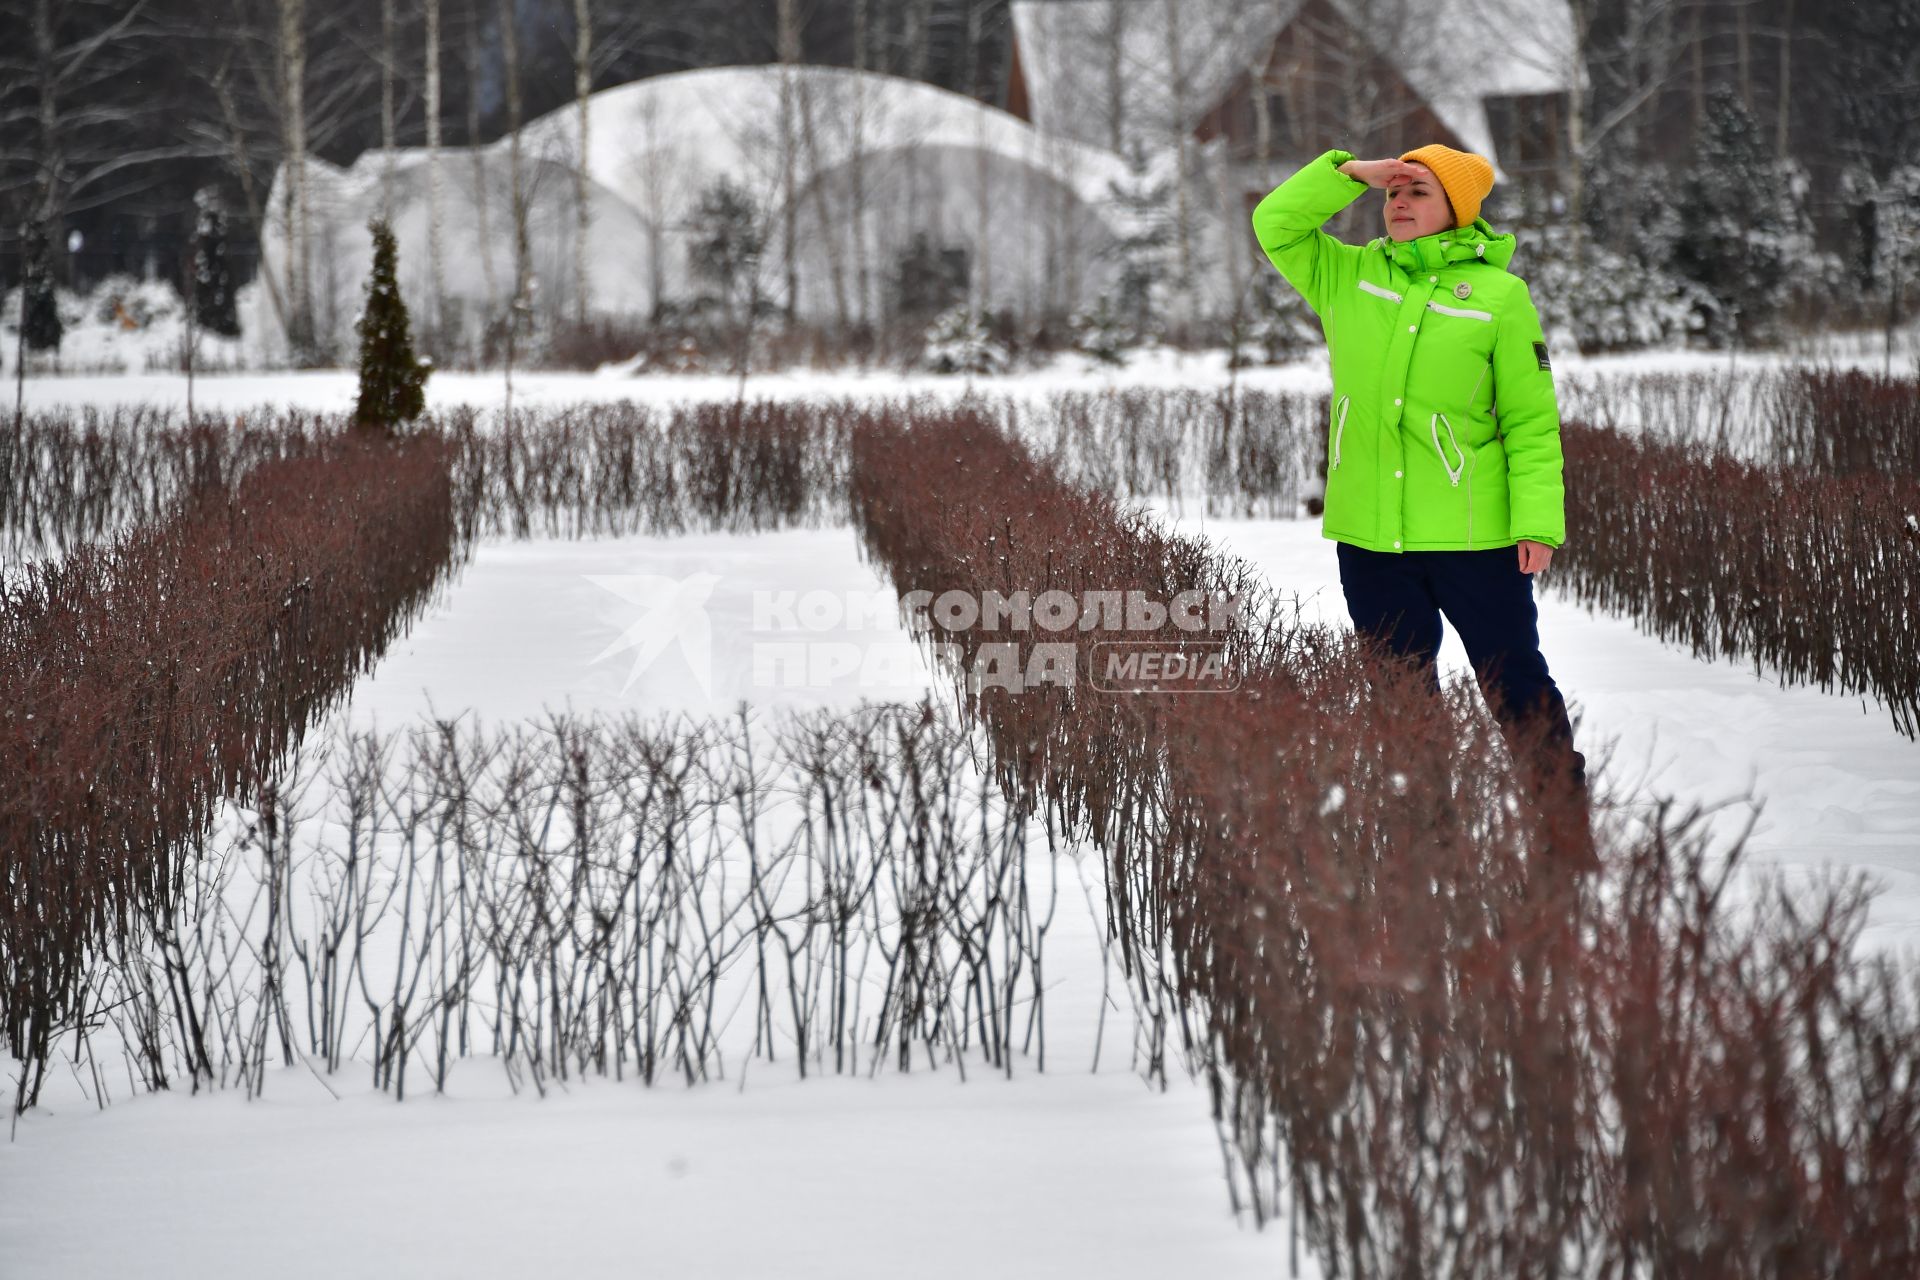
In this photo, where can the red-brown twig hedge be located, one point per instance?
(1819, 418)
(70, 477)
(1813, 576)
(593, 470)
(1475, 1065)
(149, 676)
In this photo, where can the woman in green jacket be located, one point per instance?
(1444, 488)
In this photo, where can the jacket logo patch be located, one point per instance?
(1463, 290)
(1540, 355)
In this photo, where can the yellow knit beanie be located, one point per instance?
(1464, 176)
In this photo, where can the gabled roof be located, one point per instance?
(1454, 53)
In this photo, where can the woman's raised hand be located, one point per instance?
(1381, 173)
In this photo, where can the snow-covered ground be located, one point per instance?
(758, 1175)
(334, 390)
(1070, 1173)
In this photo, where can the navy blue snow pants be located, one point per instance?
(1397, 598)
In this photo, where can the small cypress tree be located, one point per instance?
(392, 381)
(213, 303)
(39, 315)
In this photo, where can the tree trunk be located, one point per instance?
(436, 249)
(1785, 90)
(829, 233)
(1183, 230)
(481, 232)
(789, 55)
(1743, 30)
(296, 214)
(230, 115)
(583, 212)
(47, 202)
(522, 249)
(863, 283)
(386, 111)
(1698, 49)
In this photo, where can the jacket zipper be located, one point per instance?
(1453, 472)
(1338, 431)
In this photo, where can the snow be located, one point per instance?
(335, 389)
(121, 325)
(547, 611)
(1067, 1175)
(1070, 1167)
(1072, 1171)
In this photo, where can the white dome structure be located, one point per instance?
(875, 159)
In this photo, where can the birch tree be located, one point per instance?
(296, 220)
(436, 218)
(582, 91)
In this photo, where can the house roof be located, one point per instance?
(1454, 53)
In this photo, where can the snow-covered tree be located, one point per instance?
(1887, 266)
(1608, 288)
(213, 302)
(1743, 235)
(392, 380)
(729, 237)
(958, 342)
(1102, 331)
(1277, 326)
(1606, 300)
(39, 314)
(1144, 213)
(929, 279)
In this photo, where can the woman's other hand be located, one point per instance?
(1381, 173)
(1534, 555)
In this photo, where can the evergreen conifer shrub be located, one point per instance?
(392, 380)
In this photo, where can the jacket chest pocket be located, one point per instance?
(1452, 357)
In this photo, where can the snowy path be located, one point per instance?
(1041, 1175)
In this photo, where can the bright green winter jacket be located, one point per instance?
(1444, 433)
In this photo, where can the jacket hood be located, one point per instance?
(1477, 240)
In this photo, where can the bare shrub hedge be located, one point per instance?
(152, 674)
(1467, 1062)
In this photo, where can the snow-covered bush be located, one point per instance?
(1888, 265)
(1744, 234)
(929, 278)
(1606, 300)
(127, 301)
(1278, 325)
(1102, 332)
(1143, 212)
(958, 342)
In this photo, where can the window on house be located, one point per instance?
(1528, 130)
(1245, 126)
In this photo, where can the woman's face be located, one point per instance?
(1417, 208)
